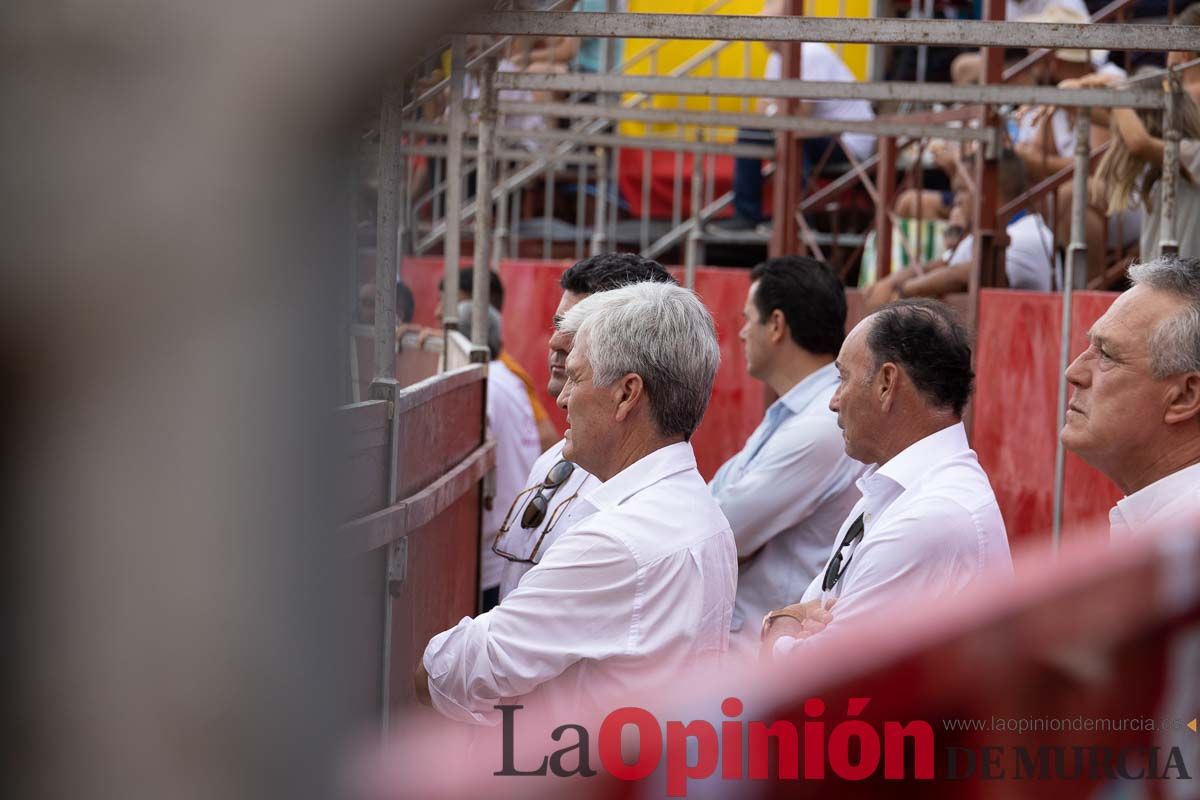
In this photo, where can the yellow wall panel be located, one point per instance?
(737, 60)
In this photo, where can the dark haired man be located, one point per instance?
(547, 506)
(792, 484)
(928, 520)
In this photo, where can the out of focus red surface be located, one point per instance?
(1017, 369)
(531, 295)
(1014, 410)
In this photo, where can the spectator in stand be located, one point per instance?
(1029, 257)
(818, 62)
(795, 322)
(511, 425)
(928, 519)
(885, 290)
(1134, 413)
(642, 587)
(568, 53)
(968, 67)
(547, 433)
(542, 512)
(1129, 174)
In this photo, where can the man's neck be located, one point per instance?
(783, 378)
(633, 452)
(920, 426)
(1167, 461)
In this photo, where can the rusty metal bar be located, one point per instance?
(458, 123)
(1076, 278)
(600, 228)
(1168, 243)
(802, 126)
(692, 251)
(991, 94)
(387, 224)
(480, 282)
(961, 33)
(885, 181)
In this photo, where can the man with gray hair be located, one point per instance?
(1135, 410)
(640, 588)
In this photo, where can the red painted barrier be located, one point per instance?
(1016, 364)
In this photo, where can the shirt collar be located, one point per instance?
(912, 463)
(644, 472)
(800, 396)
(1139, 508)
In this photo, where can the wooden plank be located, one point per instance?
(440, 589)
(378, 529)
(435, 436)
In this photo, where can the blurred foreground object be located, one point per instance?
(176, 187)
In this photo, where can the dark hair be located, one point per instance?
(1011, 178)
(406, 305)
(606, 271)
(926, 340)
(466, 278)
(811, 297)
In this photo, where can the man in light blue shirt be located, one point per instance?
(789, 489)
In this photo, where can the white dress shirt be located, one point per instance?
(1029, 258)
(510, 421)
(1170, 499)
(820, 62)
(785, 495)
(931, 524)
(563, 512)
(635, 593)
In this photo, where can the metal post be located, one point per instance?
(885, 181)
(600, 229)
(453, 243)
(385, 234)
(1168, 244)
(1077, 275)
(500, 229)
(483, 212)
(1076, 278)
(692, 251)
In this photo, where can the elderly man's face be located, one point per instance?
(1117, 406)
(560, 344)
(857, 411)
(589, 413)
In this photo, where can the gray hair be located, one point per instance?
(1175, 343)
(659, 331)
(495, 341)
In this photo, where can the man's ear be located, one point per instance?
(629, 390)
(887, 380)
(779, 326)
(1183, 399)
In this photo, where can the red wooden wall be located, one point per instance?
(1016, 364)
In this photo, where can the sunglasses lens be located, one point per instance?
(534, 513)
(558, 474)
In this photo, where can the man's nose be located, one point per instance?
(1077, 373)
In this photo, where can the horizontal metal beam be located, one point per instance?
(605, 139)
(803, 126)
(523, 156)
(961, 33)
(836, 90)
